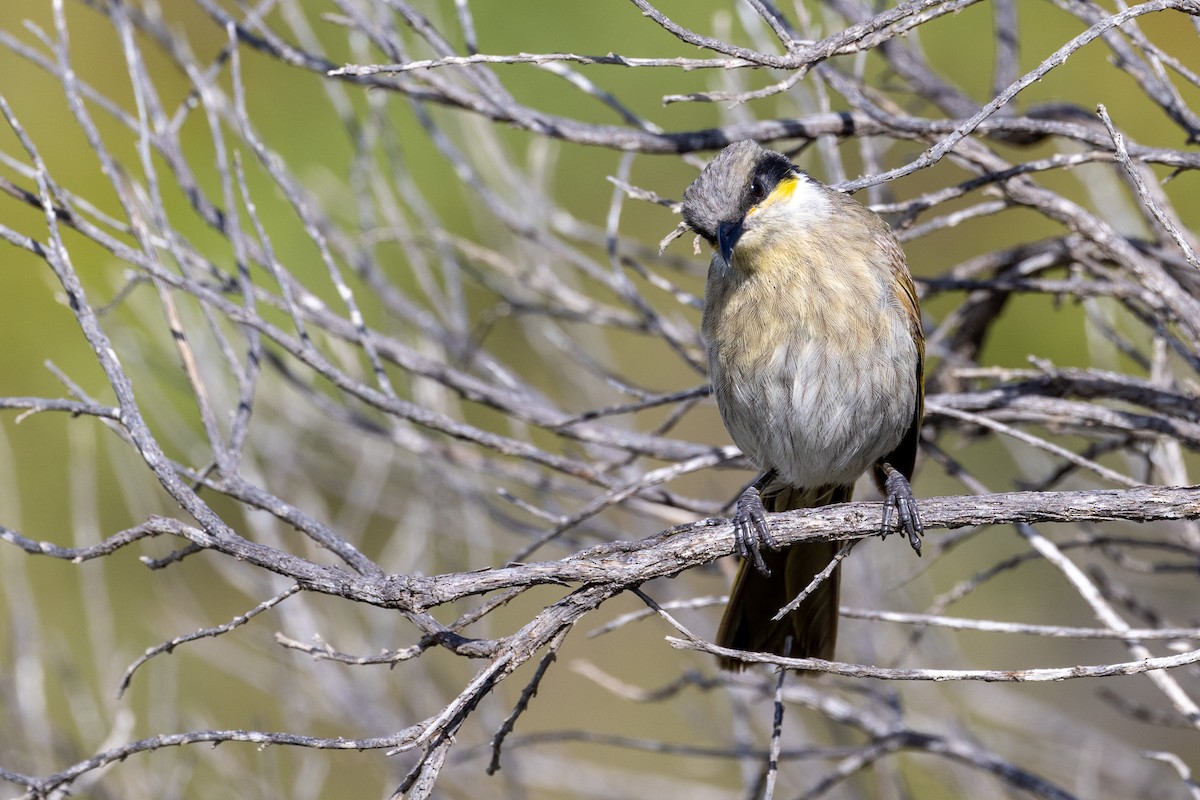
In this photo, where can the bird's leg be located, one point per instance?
(750, 529)
(900, 497)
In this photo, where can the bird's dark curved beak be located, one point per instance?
(728, 234)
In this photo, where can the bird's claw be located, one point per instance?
(751, 531)
(901, 500)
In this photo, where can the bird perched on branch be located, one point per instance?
(815, 352)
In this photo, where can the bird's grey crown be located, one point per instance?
(721, 192)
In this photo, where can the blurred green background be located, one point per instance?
(71, 482)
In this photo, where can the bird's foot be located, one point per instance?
(901, 500)
(751, 531)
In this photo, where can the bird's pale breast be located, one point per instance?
(814, 370)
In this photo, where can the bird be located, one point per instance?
(812, 330)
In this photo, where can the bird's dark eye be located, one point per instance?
(758, 189)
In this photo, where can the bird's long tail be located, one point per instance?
(756, 598)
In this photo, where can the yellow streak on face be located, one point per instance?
(782, 193)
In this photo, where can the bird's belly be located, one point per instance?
(820, 412)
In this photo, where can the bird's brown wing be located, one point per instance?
(904, 456)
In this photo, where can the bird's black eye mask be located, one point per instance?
(766, 175)
(740, 177)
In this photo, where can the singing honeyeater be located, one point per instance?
(815, 352)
